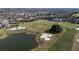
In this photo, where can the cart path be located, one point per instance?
(76, 43)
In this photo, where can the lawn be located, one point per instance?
(65, 42)
(3, 33)
(77, 14)
(42, 25)
(38, 26)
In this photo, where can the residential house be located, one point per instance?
(12, 21)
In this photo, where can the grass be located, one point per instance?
(38, 26)
(35, 26)
(2, 33)
(42, 25)
(65, 42)
(77, 14)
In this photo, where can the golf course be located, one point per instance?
(63, 42)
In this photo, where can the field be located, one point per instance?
(65, 42)
(42, 25)
(37, 26)
(77, 14)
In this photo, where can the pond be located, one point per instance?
(18, 42)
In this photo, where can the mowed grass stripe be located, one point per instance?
(65, 42)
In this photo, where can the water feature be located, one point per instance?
(18, 42)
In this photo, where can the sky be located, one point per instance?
(39, 3)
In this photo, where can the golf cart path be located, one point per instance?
(76, 43)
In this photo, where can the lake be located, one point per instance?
(18, 42)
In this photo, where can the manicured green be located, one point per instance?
(65, 42)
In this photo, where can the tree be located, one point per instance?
(55, 29)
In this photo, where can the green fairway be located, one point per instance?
(42, 25)
(38, 26)
(65, 42)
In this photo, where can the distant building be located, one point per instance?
(20, 19)
(57, 19)
(5, 23)
(12, 21)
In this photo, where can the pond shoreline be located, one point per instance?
(19, 37)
